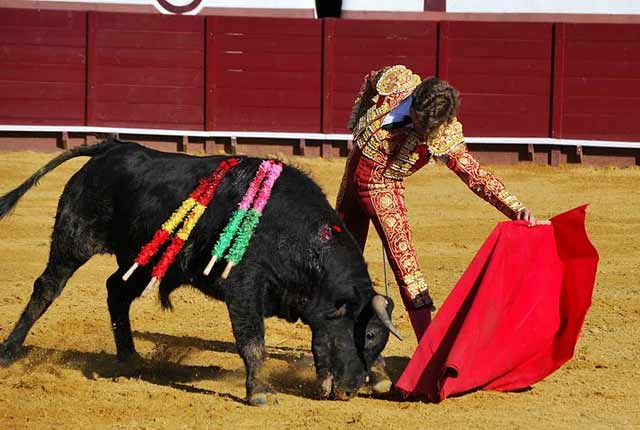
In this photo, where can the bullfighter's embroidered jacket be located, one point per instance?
(401, 151)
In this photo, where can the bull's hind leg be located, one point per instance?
(248, 329)
(45, 289)
(120, 296)
(73, 242)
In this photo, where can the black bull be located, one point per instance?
(296, 267)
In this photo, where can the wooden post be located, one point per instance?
(579, 154)
(210, 146)
(301, 146)
(349, 146)
(554, 156)
(325, 149)
(64, 140)
(183, 144)
(90, 139)
(530, 151)
(234, 145)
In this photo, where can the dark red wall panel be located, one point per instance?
(597, 82)
(503, 72)
(352, 48)
(264, 74)
(146, 71)
(42, 67)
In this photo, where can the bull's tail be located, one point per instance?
(9, 200)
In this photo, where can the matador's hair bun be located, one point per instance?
(434, 102)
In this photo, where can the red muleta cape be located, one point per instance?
(515, 315)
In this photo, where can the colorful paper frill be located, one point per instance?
(251, 219)
(230, 230)
(188, 214)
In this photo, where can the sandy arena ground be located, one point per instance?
(69, 377)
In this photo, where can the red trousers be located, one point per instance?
(366, 195)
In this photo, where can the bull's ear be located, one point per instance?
(339, 312)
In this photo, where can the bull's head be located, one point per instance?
(353, 324)
(351, 343)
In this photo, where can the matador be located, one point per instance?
(399, 123)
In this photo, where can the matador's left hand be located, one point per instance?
(525, 214)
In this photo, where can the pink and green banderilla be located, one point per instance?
(244, 221)
(188, 214)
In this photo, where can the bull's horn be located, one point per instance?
(379, 304)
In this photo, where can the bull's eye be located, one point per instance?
(370, 335)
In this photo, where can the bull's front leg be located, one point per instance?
(321, 348)
(247, 322)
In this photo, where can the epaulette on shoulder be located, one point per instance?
(397, 79)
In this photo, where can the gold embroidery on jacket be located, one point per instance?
(482, 182)
(445, 137)
(397, 79)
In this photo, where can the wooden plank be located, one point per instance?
(149, 76)
(180, 96)
(492, 49)
(149, 22)
(162, 40)
(506, 103)
(273, 98)
(278, 44)
(44, 19)
(601, 31)
(289, 63)
(504, 124)
(393, 29)
(266, 26)
(261, 119)
(499, 30)
(20, 91)
(149, 58)
(475, 83)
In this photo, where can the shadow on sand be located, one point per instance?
(164, 366)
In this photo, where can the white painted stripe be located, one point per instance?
(310, 136)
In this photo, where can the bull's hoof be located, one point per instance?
(326, 387)
(379, 379)
(381, 387)
(262, 399)
(344, 395)
(7, 355)
(131, 365)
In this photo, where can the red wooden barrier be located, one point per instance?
(146, 71)
(596, 85)
(352, 48)
(42, 67)
(503, 72)
(264, 74)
